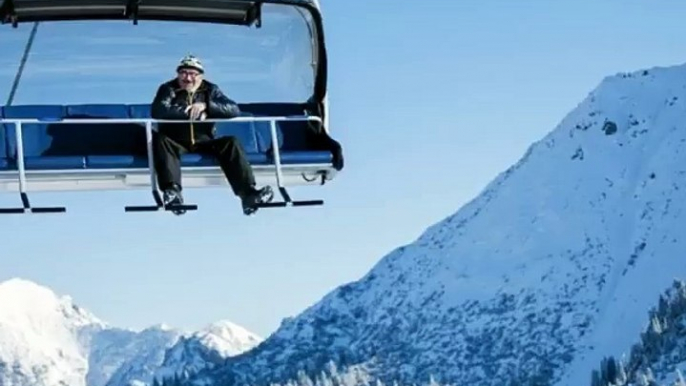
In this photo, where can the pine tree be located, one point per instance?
(663, 306)
(324, 380)
(622, 377)
(595, 378)
(611, 371)
(679, 379)
(432, 381)
(332, 370)
(642, 380)
(304, 379)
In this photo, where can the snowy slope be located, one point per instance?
(651, 217)
(658, 357)
(550, 268)
(120, 356)
(46, 340)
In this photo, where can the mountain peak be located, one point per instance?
(225, 326)
(18, 286)
(227, 337)
(22, 298)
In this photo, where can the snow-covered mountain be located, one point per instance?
(47, 340)
(549, 269)
(202, 349)
(42, 337)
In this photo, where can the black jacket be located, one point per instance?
(171, 101)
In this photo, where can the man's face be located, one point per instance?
(188, 78)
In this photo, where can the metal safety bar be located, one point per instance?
(19, 122)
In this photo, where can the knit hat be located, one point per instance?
(190, 61)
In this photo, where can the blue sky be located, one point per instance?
(431, 100)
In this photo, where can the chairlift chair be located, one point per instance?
(90, 147)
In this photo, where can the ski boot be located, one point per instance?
(173, 197)
(254, 197)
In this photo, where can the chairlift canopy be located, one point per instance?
(236, 12)
(219, 11)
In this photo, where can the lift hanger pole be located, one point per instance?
(17, 77)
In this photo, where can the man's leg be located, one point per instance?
(232, 160)
(167, 160)
(237, 169)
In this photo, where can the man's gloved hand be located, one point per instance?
(195, 110)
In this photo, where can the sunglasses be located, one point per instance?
(192, 74)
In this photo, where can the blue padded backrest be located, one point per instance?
(36, 139)
(244, 131)
(291, 135)
(98, 138)
(98, 111)
(273, 109)
(139, 110)
(35, 111)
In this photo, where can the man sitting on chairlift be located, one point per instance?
(190, 97)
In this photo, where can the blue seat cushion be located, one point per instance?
(305, 157)
(195, 159)
(258, 159)
(51, 162)
(116, 161)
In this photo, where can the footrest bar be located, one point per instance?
(155, 208)
(181, 207)
(143, 208)
(283, 204)
(47, 209)
(27, 208)
(11, 210)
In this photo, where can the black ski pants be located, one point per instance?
(227, 151)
